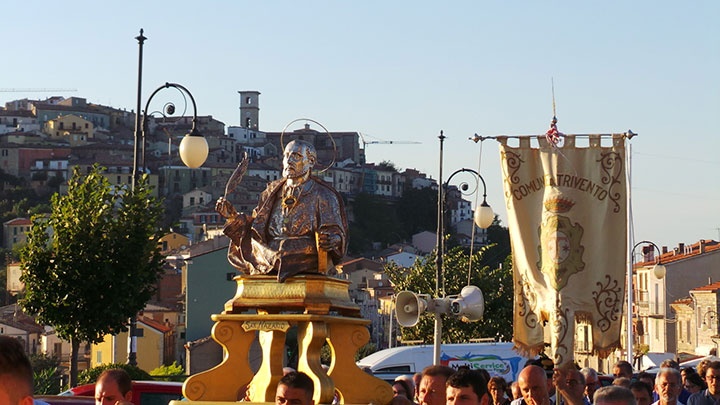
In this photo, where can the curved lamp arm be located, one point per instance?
(194, 147)
(484, 216)
(659, 270)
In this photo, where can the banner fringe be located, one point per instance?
(604, 352)
(528, 351)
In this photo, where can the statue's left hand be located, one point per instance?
(329, 241)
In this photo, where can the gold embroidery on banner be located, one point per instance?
(560, 248)
(510, 168)
(612, 166)
(607, 300)
(527, 302)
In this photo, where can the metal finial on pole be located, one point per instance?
(552, 85)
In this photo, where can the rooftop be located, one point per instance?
(682, 252)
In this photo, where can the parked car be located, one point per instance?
(143, 393)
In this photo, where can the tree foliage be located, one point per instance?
(493, 279)
(46, 374)
(91, 375)
(378, 219)
(100, 265)
(172, 372)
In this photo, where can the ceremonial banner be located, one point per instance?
(567, 219)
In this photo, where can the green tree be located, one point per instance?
(91, 375)
(375, 221)
(172, 372)
(417, 210)
(46, 374)
(494, 280)
(101, 264)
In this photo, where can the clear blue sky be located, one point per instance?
(404, 70)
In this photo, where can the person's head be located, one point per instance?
(533, 383)
(16, 377)
(712, 377)
(622, 382)
(576, 383)
(642, 392)
(685, 371)
(668, 385)
(299, 157)
(112, 386)
(465, 387)
(515, 390)
(497, 387)
(295, 389)
(592, 383)
(400, 400)
(623, 369)
(432, 385)
(647, 378)
(402, 387)
(702, 367)
(670, 363)
(613, 395)
(693, 383)
(416, 381)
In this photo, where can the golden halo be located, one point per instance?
(282, 144)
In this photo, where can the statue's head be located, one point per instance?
(298, 159)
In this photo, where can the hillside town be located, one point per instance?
(44, 141)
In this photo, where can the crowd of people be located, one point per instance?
(440, 385)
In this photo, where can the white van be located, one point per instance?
(499, 359)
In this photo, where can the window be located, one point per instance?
(248, 100)
(248, 121)
(98, 354)
(657, 298)
(192, 200)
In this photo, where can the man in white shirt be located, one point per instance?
(668, 385)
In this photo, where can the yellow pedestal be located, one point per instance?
(315, 297)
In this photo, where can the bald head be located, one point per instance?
(533, 385)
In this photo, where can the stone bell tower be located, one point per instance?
(249, 109)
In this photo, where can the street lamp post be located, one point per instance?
(659, 272)
(193, 152)
(482, 213)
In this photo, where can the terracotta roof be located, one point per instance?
(18, 221)
(683, 301)
(154, 324)
(12, 315)
(16, 113)
(694, 250)
(709, 288)
(361, 263)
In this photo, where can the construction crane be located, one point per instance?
(380, 142)
(21, 90)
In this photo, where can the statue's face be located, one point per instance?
(296, 162)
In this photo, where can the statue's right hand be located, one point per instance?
(225, 208)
